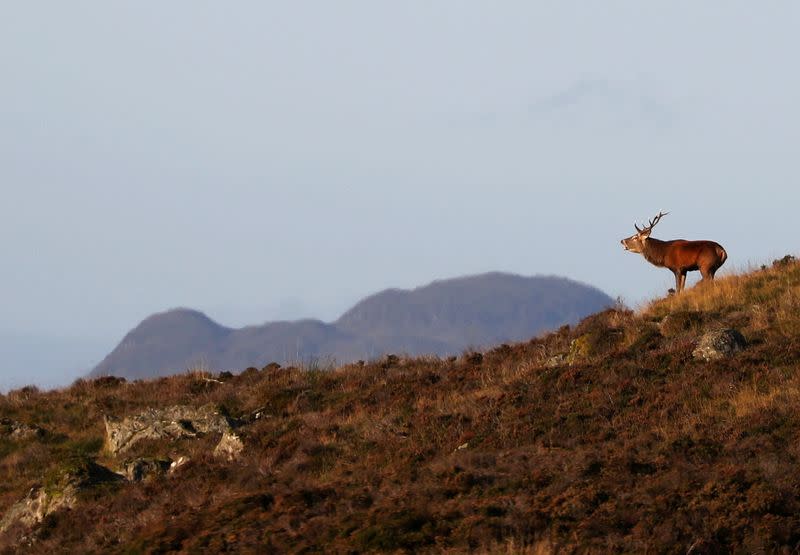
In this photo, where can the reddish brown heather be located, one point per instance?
(632, 447)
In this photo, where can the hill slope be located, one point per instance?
(606, 437)
(442, 318)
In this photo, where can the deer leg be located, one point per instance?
(683, 280)
(677, 281)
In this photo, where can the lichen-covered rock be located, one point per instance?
(556, 361)
(34, 507)
(176, 422)
(58, 492)
(229, 447)
(139, 470)
(19, 431)
(579, 349)
(719, 344)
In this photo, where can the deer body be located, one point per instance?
(679, 256)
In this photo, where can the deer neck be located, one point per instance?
(654, 251)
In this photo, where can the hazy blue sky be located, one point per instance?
(265, 159)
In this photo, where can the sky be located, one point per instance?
(263, 160)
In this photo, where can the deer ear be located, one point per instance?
(646, 234)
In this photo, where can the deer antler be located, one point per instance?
(652, 223)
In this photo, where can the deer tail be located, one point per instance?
(723, 256)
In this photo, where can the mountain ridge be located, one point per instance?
(442, 317)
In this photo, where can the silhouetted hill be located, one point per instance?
(442, 318)
(474, 311)
(166, 340)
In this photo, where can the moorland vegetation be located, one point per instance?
(609, 436)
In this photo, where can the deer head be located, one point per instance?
(636, 242)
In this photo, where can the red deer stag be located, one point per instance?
(680, 256)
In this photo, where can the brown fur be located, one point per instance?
(679, 255)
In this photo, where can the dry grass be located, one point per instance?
(627, 445)
(749, 287)
(752, 399)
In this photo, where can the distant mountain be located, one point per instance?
(442, 318)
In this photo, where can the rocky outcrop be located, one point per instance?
(719, 344)
(19, 431)
(32, 509)
(58, 492)
(173, 423)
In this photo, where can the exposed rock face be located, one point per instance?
(719, 344)
(229, 447)
(139, 470)
(19, 431)
(60, 493)
(177, 422)
(32, 509)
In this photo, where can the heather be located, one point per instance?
(609, 436)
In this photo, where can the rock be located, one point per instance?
(258, 414)
(229, 447)
(390, 361)
(556, 360)
(173, 423)
(59, 492)
(35, 506)
(719, 344)
(139, 470)
(18, 431)
(579, 349)
(474, 359)
(178, 463)
(784, 262)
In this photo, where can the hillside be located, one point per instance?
(615, 435)
(442, 318)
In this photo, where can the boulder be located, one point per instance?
(229, 447)
(580, 349)
(59, 491)
(173, 423)
(19, 431)
(34, 507)
(146, 468)
(556, 361)
(719, 344)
